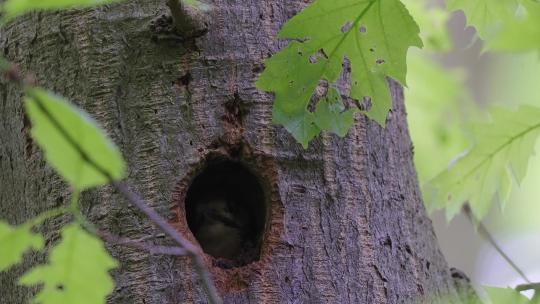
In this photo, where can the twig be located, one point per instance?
(531, 286)
(191, 250)
(491, 240)
(146, 246)
(188, 22)
(528, 286)
(138, 244)
(136, 201)
(133, 198)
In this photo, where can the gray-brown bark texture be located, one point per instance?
(345, 219)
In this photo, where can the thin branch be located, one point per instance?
(191, 250)
(188, 21)
(138, 244)
(491, 240)
(14, 76)
(136, 201)
(528, 286)
(133, 243)
(531, 286)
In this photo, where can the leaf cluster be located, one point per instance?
(77, 270)
(373, 36)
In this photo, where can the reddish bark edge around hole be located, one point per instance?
(263, 167)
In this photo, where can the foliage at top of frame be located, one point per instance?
(14, 8)
(373, 35)
(504, 25)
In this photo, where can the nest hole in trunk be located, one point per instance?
(226, 211)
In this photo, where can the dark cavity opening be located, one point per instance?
(226, 211)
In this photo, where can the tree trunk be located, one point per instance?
(340, 222)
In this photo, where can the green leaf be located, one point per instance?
(373, 35)
(432, 21)
(302, 126)
(14, 242)
(13, 8)
(521, 33)
(502, 151)
(77, 271)
(63, 132)
(505, 296)
(487, 16)
(331, 115)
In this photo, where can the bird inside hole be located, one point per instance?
(220, 227)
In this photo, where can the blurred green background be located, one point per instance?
(451, 83)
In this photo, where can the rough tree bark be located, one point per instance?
(345, 221)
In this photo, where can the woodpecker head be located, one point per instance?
(220, 228)
(216, 210)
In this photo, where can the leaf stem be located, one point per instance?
(74, 202)
(74, 207)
